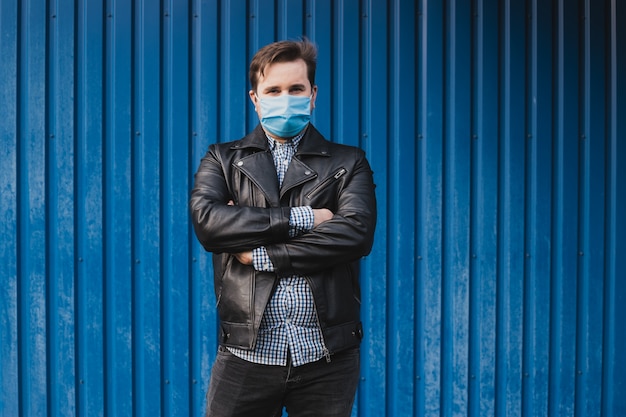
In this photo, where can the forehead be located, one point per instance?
(284, 73)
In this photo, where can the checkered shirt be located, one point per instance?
(289, 323)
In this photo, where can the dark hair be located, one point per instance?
(283, 51)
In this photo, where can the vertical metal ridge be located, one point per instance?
(146, 138)
(175, 251)
(10, 240)
(511, 209)
(430, 196)
(484, 212)
(206, 129)
(119, 379)
(89, 294)
(457, 167)
(593, 208)
(400, 359)
(565, 212)
(60, 221)
(614, 369)
(373, 74)
(32, 250)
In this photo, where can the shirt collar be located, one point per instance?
(293, 141)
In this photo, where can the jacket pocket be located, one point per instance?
(322, 186)
(221, 262)
(236, 293)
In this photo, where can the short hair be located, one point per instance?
(283, 51)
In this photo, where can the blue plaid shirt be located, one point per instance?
(289, 323)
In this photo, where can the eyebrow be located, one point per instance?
(271, 87)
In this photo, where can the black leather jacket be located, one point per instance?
(321, 175)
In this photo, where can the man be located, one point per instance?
(287, 215)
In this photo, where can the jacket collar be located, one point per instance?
(313, 143)
(258, 165)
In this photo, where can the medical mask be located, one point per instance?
(285, 115)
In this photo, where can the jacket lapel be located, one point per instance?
(297, 173)
(312, 144)
(259, 166)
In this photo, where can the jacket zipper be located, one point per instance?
(340, 173)
(325, 350)
(326, 354)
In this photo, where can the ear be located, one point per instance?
(253, 98)
(313, 96)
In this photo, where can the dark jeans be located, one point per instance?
(239, 388)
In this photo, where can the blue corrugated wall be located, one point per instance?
(497, 132)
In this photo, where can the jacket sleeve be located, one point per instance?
(348, 236)
(225, 228)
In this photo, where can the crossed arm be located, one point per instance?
(337, 236)
(319, 216)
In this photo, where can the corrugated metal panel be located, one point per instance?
(496, 132)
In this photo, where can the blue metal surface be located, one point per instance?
(613, 367)
(496, 132)
(9, 230)
(428, 228)
(483, 234)
(89, 368)
(538, 246)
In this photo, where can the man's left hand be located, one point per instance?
(244, 257)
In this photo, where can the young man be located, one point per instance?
(287, 215)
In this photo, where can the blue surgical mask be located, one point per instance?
(285, 116)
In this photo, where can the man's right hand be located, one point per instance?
(321, 215)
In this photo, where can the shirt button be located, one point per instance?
(289, 288)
